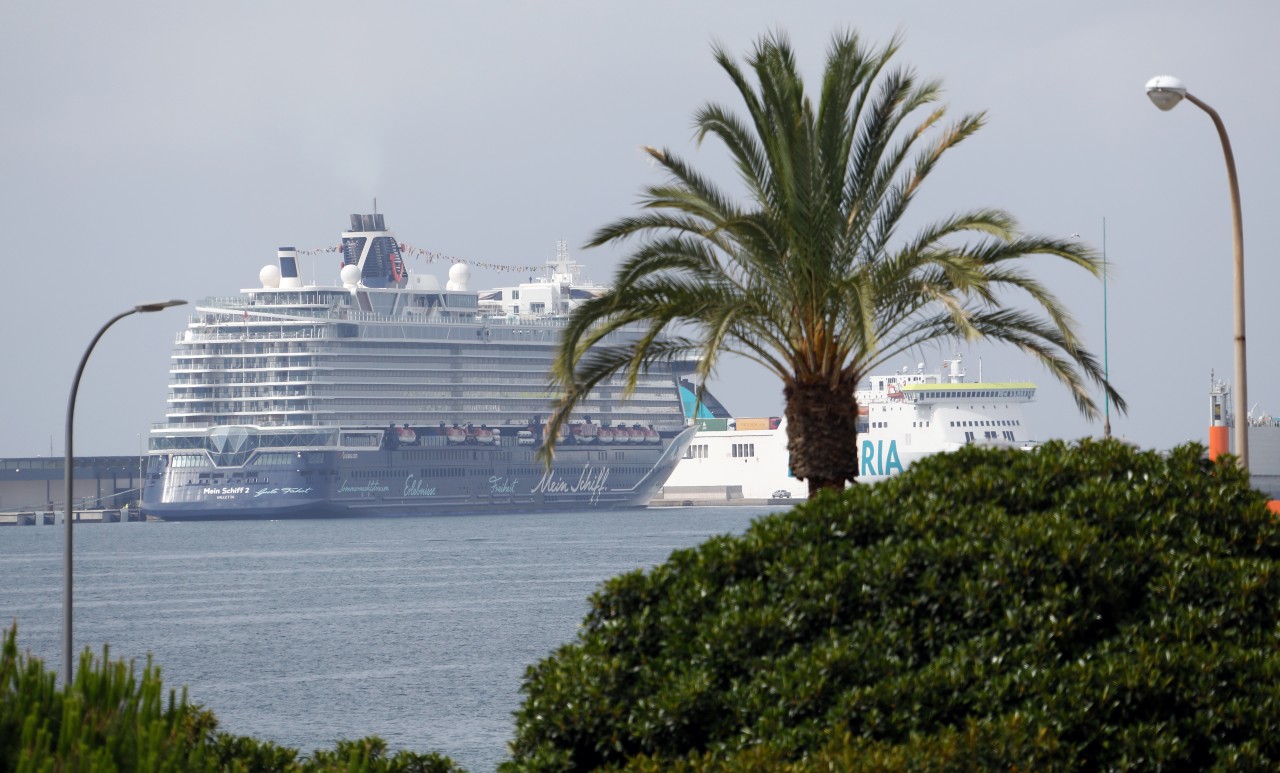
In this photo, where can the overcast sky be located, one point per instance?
(155, 150)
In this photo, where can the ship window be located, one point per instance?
(189, 460)
(272, 459)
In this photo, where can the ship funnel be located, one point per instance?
(289, 277)
(373, 222)
(371, 248)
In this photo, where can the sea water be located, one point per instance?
(418, 630)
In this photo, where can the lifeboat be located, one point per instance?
(407, 436)
(605, 435)
(456, 435)
(484, 436)
(651, 435)
(585, 433)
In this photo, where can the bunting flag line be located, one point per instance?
(429, 256)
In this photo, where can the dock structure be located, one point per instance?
(54, 518)
(105, 489)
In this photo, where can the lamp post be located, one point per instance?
(68, 508)
(1106, 357)
(1166, 92)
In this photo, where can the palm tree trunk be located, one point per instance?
(822, 434)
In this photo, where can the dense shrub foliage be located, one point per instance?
(1079, 607)
(113, 720)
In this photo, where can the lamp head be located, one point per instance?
(1166, 91)
(158, 306)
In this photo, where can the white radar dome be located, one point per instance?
(269, 276)
(460, 275)
(350, 275)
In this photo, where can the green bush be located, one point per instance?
(112, 720)
(1078, 607)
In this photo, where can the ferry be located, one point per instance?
(385, 394)
(902, 417)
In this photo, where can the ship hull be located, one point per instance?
(447, 480)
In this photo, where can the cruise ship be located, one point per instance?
(386, 395)
(902, 417)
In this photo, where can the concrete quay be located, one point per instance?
(54, 518)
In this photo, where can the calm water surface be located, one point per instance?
(302, 632)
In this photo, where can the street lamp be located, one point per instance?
(68, 509)
(1167, 91)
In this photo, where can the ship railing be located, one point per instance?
(179, 425)
(268, 317)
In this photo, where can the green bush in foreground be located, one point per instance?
(112, 720)
(1080, 607)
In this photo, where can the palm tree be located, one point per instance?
(804, 272)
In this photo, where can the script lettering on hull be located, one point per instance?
(417, 487)
(592, 480)
(281, 490)
(501, 485)
(372, 487)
